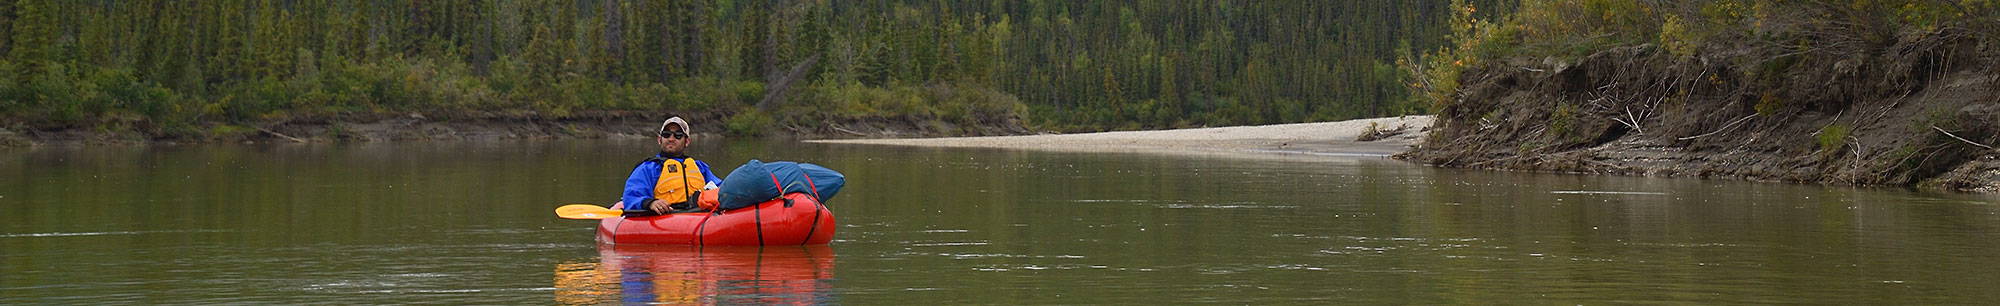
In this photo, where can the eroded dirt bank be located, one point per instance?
(1923, 111)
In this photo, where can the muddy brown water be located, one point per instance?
(471, 223)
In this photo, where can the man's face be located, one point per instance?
(674, 140)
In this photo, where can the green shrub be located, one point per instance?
(1832, 137)
(505, 76)
(741, 93)
(230, 132)
(11, 93)
(751, 122)
(1930, 16)
(1562, 120)
(55, 90)
(846, 100)
(122, 92)
(1769, 103)
(991, 102)
(1725, 13)
(1677, 38)
(1471, 40)
(1229, 112)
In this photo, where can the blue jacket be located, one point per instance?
(639, 186)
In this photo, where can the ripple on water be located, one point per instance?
(1040, 267)
(1607, 192)
(1233, 205)
(1184, 204)
(995, 255)
(935, 244)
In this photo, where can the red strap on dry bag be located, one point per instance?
(781, 186)
(811, 186)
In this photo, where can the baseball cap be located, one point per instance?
(675, 120)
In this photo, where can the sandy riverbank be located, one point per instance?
(1320, 138)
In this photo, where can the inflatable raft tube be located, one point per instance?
(794, 219)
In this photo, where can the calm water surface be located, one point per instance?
(472, 223)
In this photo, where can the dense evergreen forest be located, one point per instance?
(173, 67)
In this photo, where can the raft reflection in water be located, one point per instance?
(785, 275)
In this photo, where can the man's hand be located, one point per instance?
(660, 207)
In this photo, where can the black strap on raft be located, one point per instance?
(759, 207)
(759, 210)
(815, 226)
(699, 237)
(819, 205)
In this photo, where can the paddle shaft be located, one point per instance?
(639, 213)
(590, 211)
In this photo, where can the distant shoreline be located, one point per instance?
(1396, 135)
(465, 125)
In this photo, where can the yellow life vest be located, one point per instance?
(679, 179)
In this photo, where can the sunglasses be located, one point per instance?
(674, 135)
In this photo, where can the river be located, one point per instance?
(472, 223)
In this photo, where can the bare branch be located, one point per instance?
(1724, 128)
(774, 94)
(274, 133)
(1948, 133)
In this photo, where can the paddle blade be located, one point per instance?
(587, 211)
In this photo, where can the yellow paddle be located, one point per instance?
(592, 212)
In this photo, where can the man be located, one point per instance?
(670, 180)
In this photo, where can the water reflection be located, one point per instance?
(650, 274)
(469, 223)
